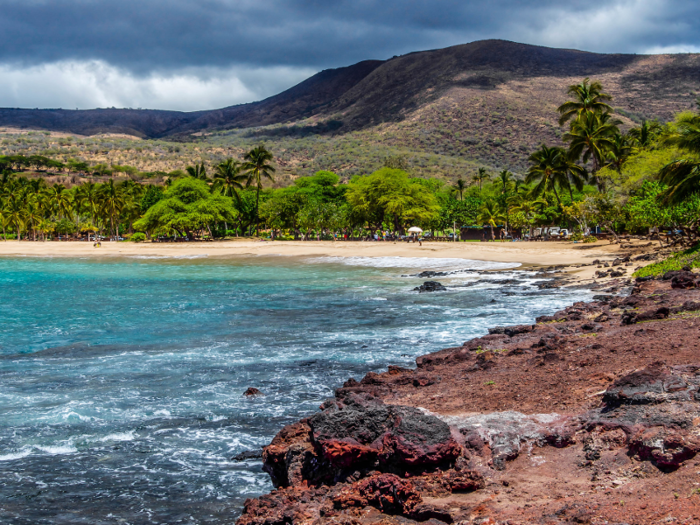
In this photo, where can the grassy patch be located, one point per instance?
(489, 383)
(689, 257)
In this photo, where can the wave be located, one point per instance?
(444, 263)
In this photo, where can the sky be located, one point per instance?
(205, 54)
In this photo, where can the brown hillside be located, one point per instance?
(488, 103)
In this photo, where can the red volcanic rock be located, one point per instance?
(283, 458)
(389, 493)
(666, 448)
(384, 437)
(572, 421)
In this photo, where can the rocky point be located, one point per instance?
(591, 415)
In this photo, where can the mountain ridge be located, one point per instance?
(488, 73)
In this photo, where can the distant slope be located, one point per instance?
(486, 82)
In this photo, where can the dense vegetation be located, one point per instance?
(643, 180)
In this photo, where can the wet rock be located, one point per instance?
(246, 455)
(428, 274)
(252, 392)
(430, 286)
(284, 458)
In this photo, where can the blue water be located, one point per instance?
(121, 381)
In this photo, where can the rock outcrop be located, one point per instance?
(591, 415)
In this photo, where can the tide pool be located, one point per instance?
(121, 381)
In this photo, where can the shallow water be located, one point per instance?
(121, 380)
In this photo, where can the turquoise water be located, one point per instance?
(121, 381)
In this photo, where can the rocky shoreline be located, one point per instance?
(591, 415)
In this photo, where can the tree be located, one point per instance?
(683, 175)
(228, 178)
(152, 195)
(490, 214)
(187, 207)
(591, 136)
(389, 194)
(87, 199)
(460, 186)
(549, 169)
(112, 201)
(61, 200)
(258, 168)
(480, 176)
(618, 152)
(645, 135)
(587, 98)
(198, 171)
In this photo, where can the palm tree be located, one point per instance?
(198, 171)
(549, 170)
(33, 214)
(257, 169)
(587, 98)
(111, 203)
(460, 186)
(15, 212)
(87, 197)
(590, 137)
(618, 153)
(489, 214)
(505, 178)
(683, 175)
(529, 208)
(229, 177)
(3, 220)
(480, 176)
(645, 134)
(61, 200)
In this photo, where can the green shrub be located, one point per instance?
(590, 239)
(138, 237)
(676, 261)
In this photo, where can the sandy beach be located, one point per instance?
(528, 254)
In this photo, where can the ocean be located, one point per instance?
(121, 380)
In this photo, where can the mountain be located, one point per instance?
(480, 100)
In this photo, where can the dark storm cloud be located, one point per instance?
(147, 35)
(177, 54)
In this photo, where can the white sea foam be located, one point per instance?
(15, 455)
(417, 262)
(57, 449)
(119, 436)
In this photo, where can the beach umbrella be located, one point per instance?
(415, 229)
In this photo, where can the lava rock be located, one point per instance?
(248, 454)
(430, 286)
(252, 392)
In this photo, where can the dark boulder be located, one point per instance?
(252, 392)
(384, 437)
(642, 387)
(430, 286)
(684, 280)
(246, 455)
(648, 315)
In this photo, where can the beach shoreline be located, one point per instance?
(527, 254)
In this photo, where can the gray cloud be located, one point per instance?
(174, 52)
